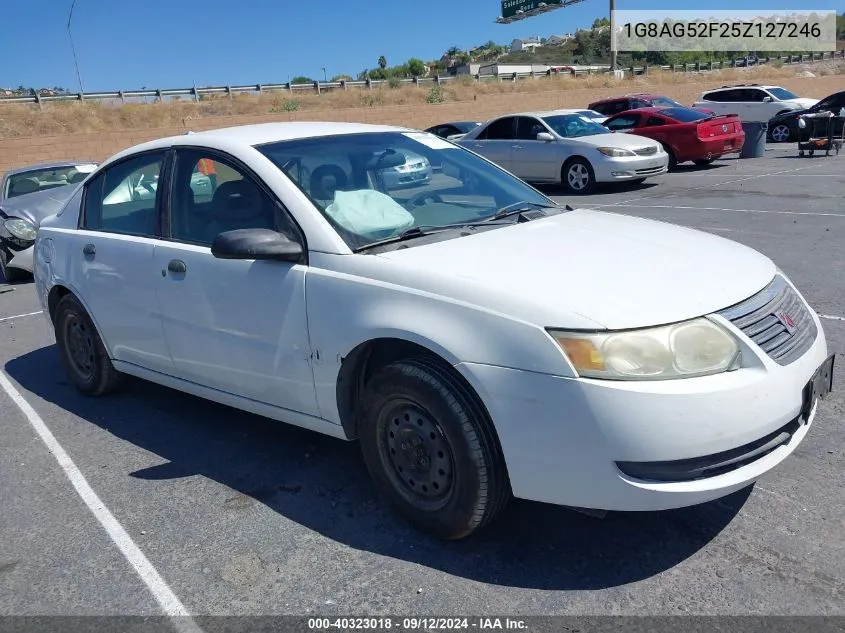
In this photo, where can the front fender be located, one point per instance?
(345, 312)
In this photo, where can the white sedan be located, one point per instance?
(567, 147)
(480, 341)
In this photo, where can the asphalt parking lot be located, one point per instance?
(228, 513)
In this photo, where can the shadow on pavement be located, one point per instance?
(321, 483)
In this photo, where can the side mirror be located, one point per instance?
(255, 244)
(545, 136)
(768, 99)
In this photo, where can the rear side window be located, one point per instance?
(724, 96)
(122, 199)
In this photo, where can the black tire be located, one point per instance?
(673, 162)
(84, 357)
(11, 275)
(703, 162)
(585, 182)
(418, 420)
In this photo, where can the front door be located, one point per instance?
(533, 160)
(112, 259)
(238, 326)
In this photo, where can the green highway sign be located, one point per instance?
(520, 9)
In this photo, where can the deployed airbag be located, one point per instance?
(368, 212)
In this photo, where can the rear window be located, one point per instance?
(684, 115)
(34, 180)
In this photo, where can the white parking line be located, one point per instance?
(832, 317)
(165, 597)
(20, 316)
(671, 206)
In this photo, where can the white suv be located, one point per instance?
(752, 102)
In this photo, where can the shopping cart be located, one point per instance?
(824, 132)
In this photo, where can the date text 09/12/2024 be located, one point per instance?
(416, 624)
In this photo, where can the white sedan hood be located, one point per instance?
(615, 139)
(619, 271)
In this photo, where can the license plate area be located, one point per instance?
(820, 385)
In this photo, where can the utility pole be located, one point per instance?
(72, 48)
(612, 35)
(325, 76)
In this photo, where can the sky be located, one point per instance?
(126, 45)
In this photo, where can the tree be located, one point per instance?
(454, 51)
(302, 80)
(341, 78)
(416, 67)
(382, 62)
(599, 22)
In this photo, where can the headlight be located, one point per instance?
(683, 350)
(615, 151)
(21, 229)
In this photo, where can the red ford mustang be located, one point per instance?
(687, 134)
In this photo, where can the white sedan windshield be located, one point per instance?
(574, 125)
(373, 186)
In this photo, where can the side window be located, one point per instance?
(527, 128)
(756, 96)
(625, 122)
(654, 121)
(723, 96)
(501, 129)
(638, 103)
(122, 199)
(601, 108)
(211, 195)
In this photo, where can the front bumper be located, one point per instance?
(609, 169)
(21, 258)
(564, 439)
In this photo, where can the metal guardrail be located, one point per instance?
(320, 86)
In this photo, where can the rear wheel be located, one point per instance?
(431, 449)
(781, 133)
(578, 175)
(83, 355)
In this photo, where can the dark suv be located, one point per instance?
(615, 105)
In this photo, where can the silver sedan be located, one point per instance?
(564, 146)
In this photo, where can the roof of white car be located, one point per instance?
(259, 133)
(763, 86)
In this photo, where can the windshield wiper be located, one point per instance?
(515, 209)
(408, 234)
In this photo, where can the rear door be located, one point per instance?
(496, 142)
(112, 259)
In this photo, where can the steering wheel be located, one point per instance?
(424, 197)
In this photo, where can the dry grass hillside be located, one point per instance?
(95, 130)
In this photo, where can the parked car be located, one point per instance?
(453, 129)
(20, 217)
(783, 128)
(565, 147)
(752, 102)
(686, 134)
(32, 178)
(615, 105)
(480, 341)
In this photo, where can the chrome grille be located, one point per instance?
(645, 151)
(777, 320)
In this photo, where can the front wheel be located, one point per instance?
(781, 133)
(578, 175)
(83, 355)
(431, 450)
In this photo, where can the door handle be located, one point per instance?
(516, 146)
(89, 250)
(177, 266)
